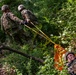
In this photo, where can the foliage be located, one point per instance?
(57, 19)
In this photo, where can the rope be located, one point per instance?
(57, 59)
(43, 34)
(35, 31)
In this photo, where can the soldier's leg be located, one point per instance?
(24, 35)
(9, 36)
(17, 38)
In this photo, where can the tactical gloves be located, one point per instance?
(23, 23)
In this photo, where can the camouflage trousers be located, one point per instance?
(17, 35)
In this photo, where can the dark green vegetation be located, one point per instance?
(57, 19)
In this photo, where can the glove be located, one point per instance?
(24, 22)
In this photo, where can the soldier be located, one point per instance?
(71, 63)
(28, 16)
(10, 24)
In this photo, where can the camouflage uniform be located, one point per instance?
(10, 25)
(9, 22)
(71, 66)
(28, 16)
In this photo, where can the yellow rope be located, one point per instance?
(43, 34)
(35, 31)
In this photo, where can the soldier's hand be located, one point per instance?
(28, 21)
(24, 22)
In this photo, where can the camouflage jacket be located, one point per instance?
(9, 21)
(27, 14)
(72, 67)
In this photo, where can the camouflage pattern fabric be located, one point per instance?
(72, 67)
(9, 22)
(28, 15)
(11, 26)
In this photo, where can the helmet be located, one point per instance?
(21, 7)
(4, 7)
(68, 54)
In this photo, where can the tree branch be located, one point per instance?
(3, 47)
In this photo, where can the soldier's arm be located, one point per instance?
(15, 18)
(27, 16)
